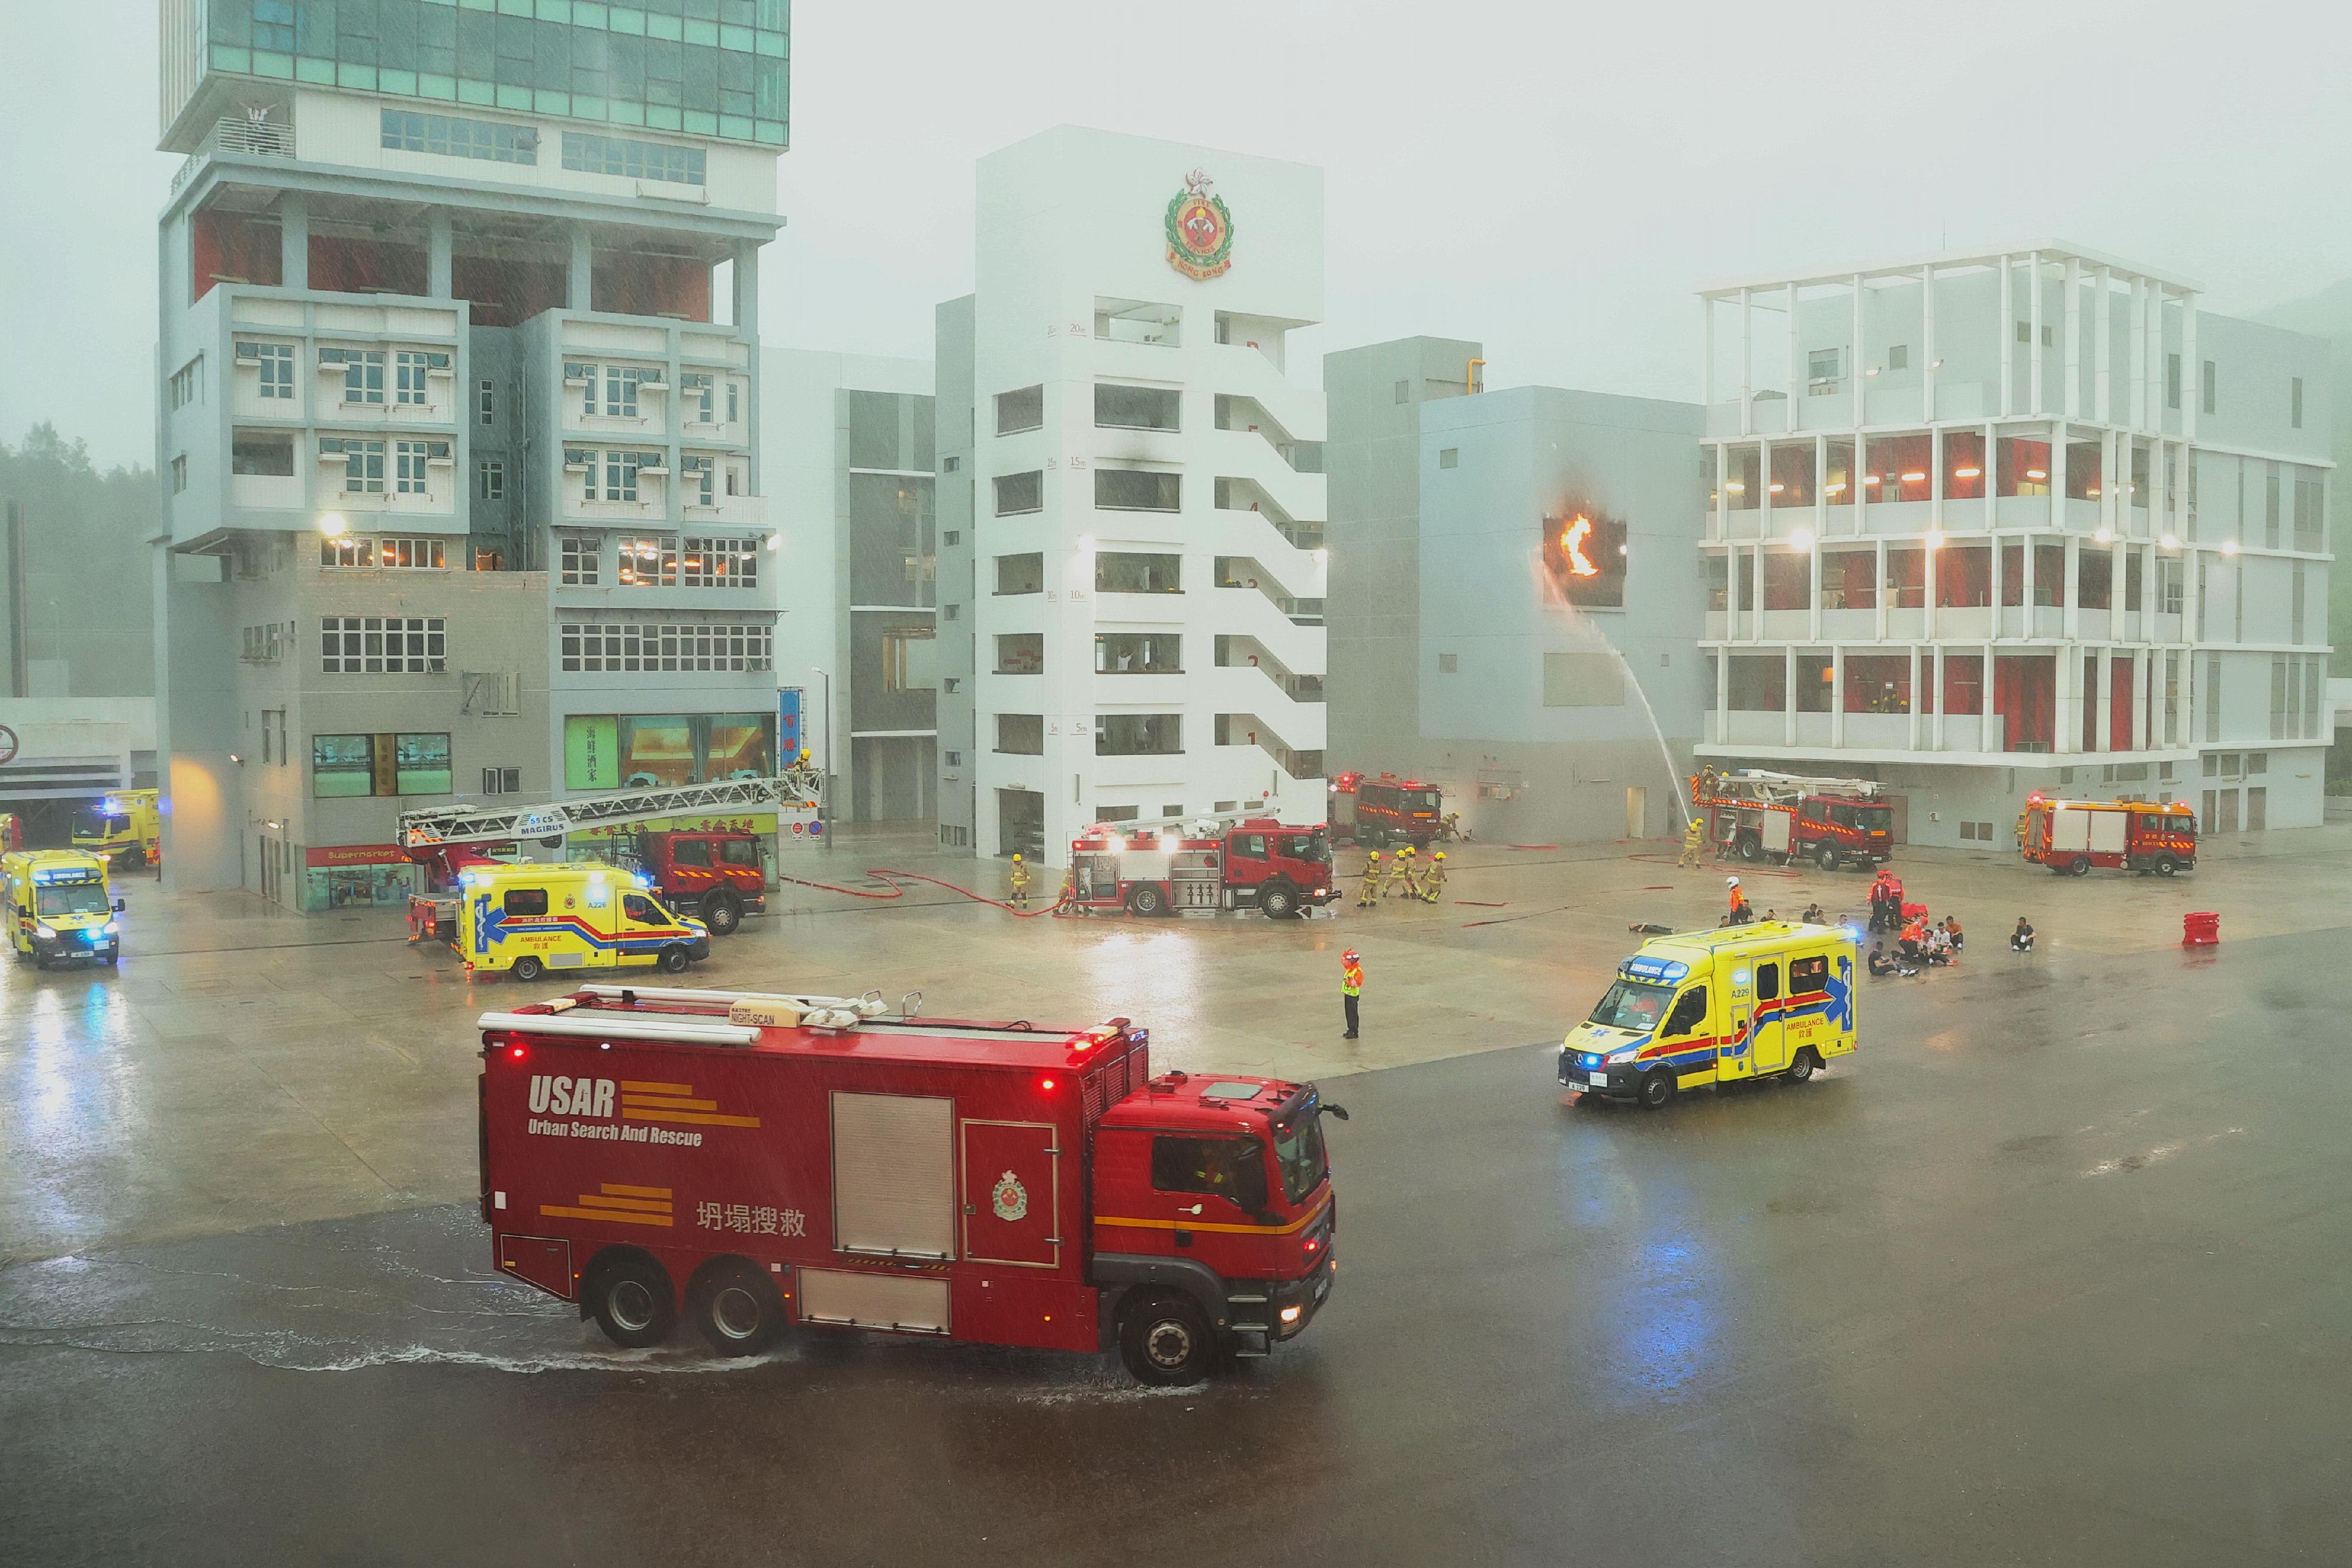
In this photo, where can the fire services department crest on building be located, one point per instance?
(1199, 230)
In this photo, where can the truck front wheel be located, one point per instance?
(672, 960)
(1165, 1341)
(632, 1300)
(1658, 1087)
(1280, 900)
(738, 1308)
(722, 912)
(1826, 857)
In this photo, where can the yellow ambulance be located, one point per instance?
(531, 918)
(125, 829)
(1773, 999)
(59, 907)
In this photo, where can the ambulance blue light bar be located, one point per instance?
(1654, 969)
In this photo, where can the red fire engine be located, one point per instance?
(2073, 836)
(758, 1163)
(1384, 810)
(1216, 863)
(1782, 816)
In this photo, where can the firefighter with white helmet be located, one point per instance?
(1019, 882)
(1740, 912)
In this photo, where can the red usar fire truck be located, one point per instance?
(760, 1163)
(1384, 810)
(1182, 865)
(2070, 837)
(1784, 816)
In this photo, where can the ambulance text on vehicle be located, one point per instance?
(60, 908)
(764, 1163)
(531, 917)
(1774, 999)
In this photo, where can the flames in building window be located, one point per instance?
(1584, 556)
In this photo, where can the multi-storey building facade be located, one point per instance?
(1513, 613)
(847, 443)
(459, 317)
(1131, 495)
(1983, 523)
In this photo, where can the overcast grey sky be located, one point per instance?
(1551, 179)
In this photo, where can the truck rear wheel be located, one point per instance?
(1804, 1066)
(2081, 866)
(738, 1308)
(632, 1300)
(528, 968)
(1280, 900)
(1146, 900)
(722, 912)
(1165, 1341)
(1751, 848)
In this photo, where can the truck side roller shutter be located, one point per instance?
(893, 1176)
(2107, 832)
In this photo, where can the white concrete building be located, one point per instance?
(1132, 494)
(1987, 522)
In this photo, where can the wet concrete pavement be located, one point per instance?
(2050, 1272)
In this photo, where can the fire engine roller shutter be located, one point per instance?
(2108, 833)
(2070, 830)
(893, 1175)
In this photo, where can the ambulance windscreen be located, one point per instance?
(1635, 1005)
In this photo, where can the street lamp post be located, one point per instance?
(825, 776)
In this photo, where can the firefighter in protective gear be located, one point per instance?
(1372, 888)
(1019, 882)
(1352, 989)
(1406, 873)
(1433, 881)
(1694, 843)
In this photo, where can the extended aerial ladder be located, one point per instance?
(446, 827)
(1755, 786)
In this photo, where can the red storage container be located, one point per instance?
(2200, 928)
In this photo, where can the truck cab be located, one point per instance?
(123, 830)
(529, 918)
(1218, 1186)
(61, 909)
(1385, 810)
(718, 874)
(1774, 999)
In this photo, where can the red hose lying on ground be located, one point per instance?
(896, 890)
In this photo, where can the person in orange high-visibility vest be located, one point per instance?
(1739, 914)
(1351, 988)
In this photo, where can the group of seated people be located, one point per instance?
(1921, 943)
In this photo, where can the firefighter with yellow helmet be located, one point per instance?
(1019, 882)
(1694, 843)
(1433, 882)
(1372, 882)
(1407, 872)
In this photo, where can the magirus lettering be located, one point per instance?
(572, 1096)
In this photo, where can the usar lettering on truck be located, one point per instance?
(763, 1164)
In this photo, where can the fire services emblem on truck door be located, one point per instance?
(1199, 230)
(1010, 1200)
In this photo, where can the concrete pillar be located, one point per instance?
(2034, 401)
(1706, 351)
(1756, 604)
(1853, 374)
(2118, 562)
(2103, 348)
(2070, 398)
(437, 246)
(1837, 696)
(1927, 361)
(1821, 496)
(1989, 735)
(1813, 600)
(294, 240)
(1746, 367)
(2143, 695)
(1796, 369)
(2068, 718)
(1879, 598)
(1993, 540)
(577, 291)
(2057, 497)
(1722, 694)
(2193, 372)
(2008, 349)
(2071, 613)
(747, 290)
(2136, 412)
(1911, 741)
(1788, 695)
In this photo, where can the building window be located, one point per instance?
(1824, 371)
(1021, 654)
(2210, 385)
(621, 470)
(638, 647)
(384, 764)
(1018, 493)
(502, 780)
(1139, 734)
(1021, 410)
(451, 137)
(721, 563)
(492, 473)
(1138, 490)
(1404, 392)
(188, 383)
(1121, 571)
(1898, 357)
(2172, 381)
(409, 376)
(1138, 654)
(1021, 733)
(694, 396)
(1449, 457)
(901, 673)
(951, 465)
(408, 467)
(951, 759)
(363, 373)
(363, 464)
(950, 611)
(1020, 573)
(697, 478)
(2295, 401)
(648, 562)
(409, 554)
(951, 685)
(580, 557)
(621, 383)
(734, 411)
(271, 456)
(633, 160)
(487, 400)
(383, 645)
(179, 473)
(276, 363)
(1136, 408)
(1449, 664)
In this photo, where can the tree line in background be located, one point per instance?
(86, 568)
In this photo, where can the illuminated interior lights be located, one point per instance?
(1968, 472)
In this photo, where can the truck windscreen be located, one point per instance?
(1635, 1005)
(1298, 1150)
(91, 825)
(1420, 801)
(71, 898)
